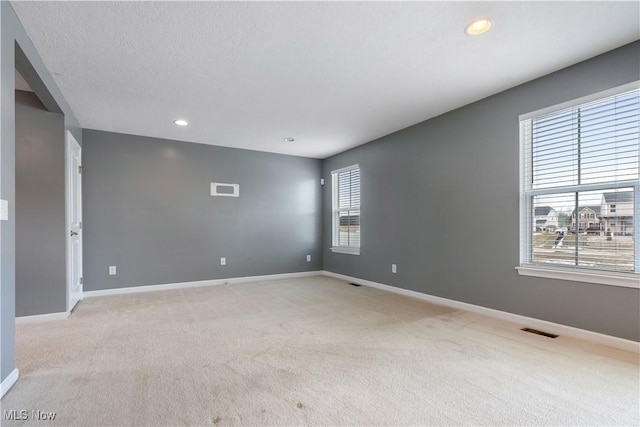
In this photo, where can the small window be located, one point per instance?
(346, 210)
(582, 155)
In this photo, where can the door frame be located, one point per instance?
(69, 142)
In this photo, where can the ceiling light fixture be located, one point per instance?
(478, 27)
(181, 122)
(288, 139)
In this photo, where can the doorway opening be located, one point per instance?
(48, 257)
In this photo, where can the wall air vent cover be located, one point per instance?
(537, 332)
(225, 190)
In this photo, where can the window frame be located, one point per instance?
(335, 221)
(603, 277)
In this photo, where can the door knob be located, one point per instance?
(73, 233)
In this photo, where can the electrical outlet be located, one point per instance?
(4, 210)
(308, 258)
(223, 261)
(394, 269)
(112, 270)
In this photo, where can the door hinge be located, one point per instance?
(80, 225)
(81, 280)
(80, 168)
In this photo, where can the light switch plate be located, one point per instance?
(4, 210)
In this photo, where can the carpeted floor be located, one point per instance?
(312, 351)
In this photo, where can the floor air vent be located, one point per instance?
(353, 284)
(537, 332)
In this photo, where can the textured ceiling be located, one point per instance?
(331, 74)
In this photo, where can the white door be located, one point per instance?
(74, 222)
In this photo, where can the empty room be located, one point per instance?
(319, 213)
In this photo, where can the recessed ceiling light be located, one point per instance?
(288, 139)
(479, 27)
(181, 122)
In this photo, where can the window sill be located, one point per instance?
(627, 280)
(345, 250)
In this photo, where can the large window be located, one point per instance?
(346, 210)
(580, 158)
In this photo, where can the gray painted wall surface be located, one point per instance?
(440, 199)
(40, 208)
(148, 211)
(14, 42)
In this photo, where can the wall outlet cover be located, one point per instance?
(394, 269)
(223, 261)
(4, 210)
(112, 270)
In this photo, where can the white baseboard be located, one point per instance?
(9, 382)
(42, 318)
(201, 283)
(552, 327)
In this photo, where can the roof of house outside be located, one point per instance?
(596, 208)
(618, 197)
(542, 210)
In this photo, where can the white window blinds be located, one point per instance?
(346, 209)
(580, 185)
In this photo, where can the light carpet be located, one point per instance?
(310, 351)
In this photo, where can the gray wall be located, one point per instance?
(440, 199)
(17, 52)
(40, 208)
(148, 211)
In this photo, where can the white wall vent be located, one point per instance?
(226, 190)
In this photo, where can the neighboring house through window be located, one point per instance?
(580, 160)
(346, 210)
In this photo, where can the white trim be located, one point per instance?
(335, 212)
(198, 284)
(630, 280)
(583, 187)
(636, 227)
(351, 250)
(527, 193)
(69, 141)
(346, 168)
(555, 328)
(22, 320)
(9, 382)
(582, 100)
